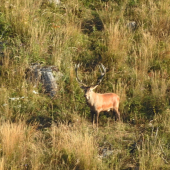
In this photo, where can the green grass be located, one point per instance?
(38, 132)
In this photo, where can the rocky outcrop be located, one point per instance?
(46, 75)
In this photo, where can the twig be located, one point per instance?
(164, 160)
(163, 154)
(156, 134)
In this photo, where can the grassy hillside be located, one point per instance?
(39, 132)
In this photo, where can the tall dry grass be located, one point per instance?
(14, 144)
(137, 65)
(61, 147)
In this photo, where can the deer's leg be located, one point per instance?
(97, 119)
(113, 113)
(92, 117)
(117, 116)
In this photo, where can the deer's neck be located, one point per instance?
(91, 99)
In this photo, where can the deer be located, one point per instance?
(99, 102)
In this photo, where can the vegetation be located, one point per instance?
(39, 132)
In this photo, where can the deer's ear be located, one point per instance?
(93, 87)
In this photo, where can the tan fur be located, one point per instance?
(101, 102)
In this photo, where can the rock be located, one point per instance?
(105, 151)
(45, 75)
(132, 25)
(48, 81)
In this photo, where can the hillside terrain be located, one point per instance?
(52, 130)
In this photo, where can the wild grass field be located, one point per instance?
(39, 132)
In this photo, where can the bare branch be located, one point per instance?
(163, 154)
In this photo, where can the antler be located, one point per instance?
(76, 68)
(101, 77)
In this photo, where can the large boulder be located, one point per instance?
(46, 75)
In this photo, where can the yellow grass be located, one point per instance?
(137, 65)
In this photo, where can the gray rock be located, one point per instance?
(45, 75)
(132, 25)
(48, 81)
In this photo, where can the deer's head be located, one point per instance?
(88, 90)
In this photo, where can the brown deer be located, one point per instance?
(99, 102)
